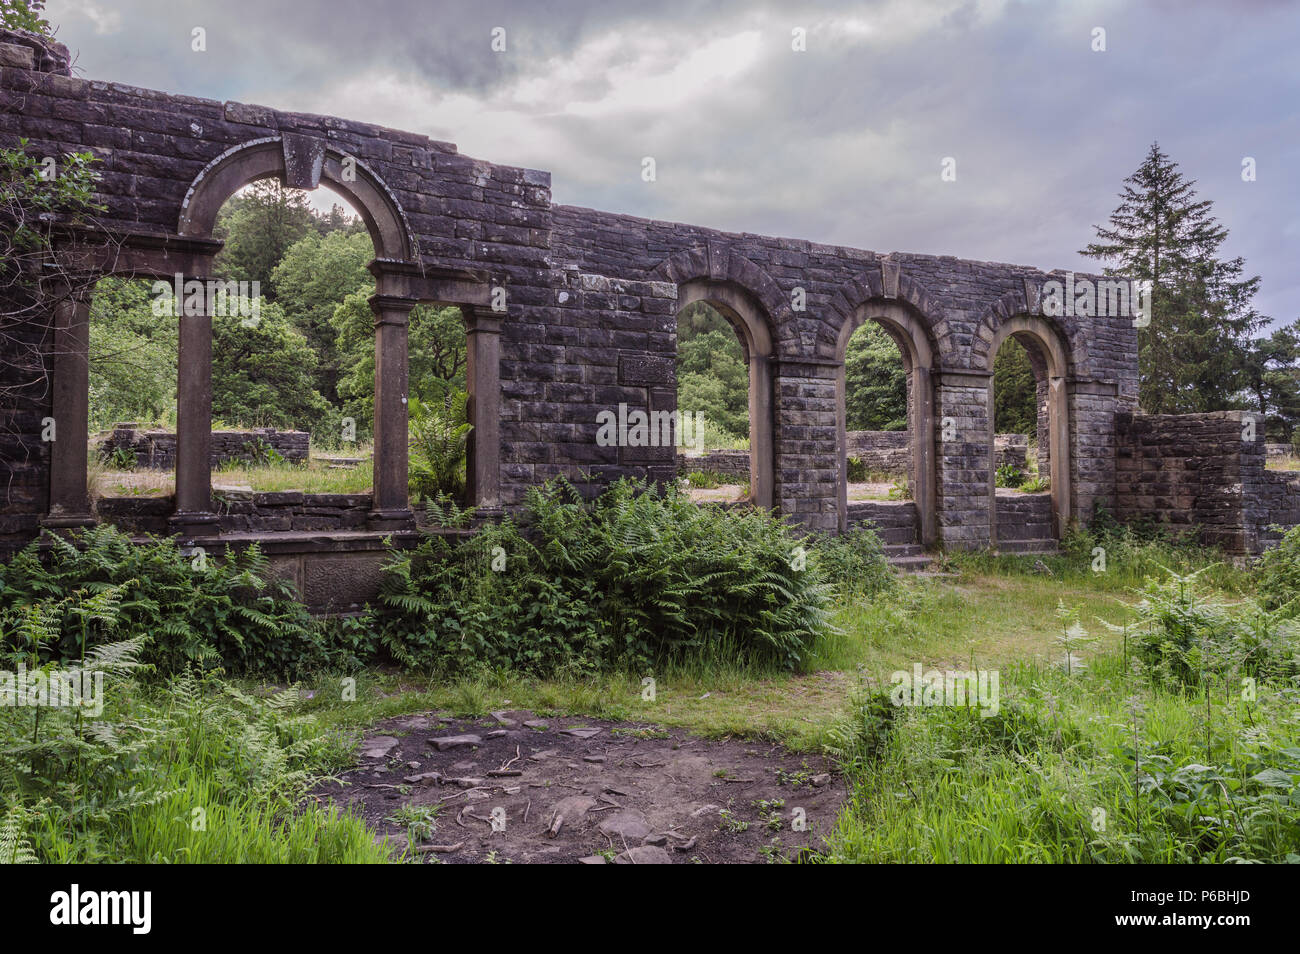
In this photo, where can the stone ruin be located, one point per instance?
(571, 312)
(155, 449)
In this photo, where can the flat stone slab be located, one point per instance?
(378, 746)
(445, 742)
(644, 855)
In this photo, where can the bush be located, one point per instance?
(190, 610)
(1279, 575)
(854, 562)
(1185, 636)
(439, 438)
(635, 578)
(1009, 475)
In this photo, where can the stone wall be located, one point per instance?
(888, 452)
(588, 321)
(883, 452)
(156, 449)
(242, 511)
(1197, 472)
(729, 463)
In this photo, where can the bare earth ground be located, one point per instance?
(528, 790)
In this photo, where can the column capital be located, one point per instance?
(481, 319)
(391, 309)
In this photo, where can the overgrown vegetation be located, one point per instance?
(60, 600)
(1155, 751)
(635, 578)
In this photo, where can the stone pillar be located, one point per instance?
(391, 510)
(807, 485)
(193, 516)
(1058, 414)
(69, 500)
(483, 379)
(761, 478)
(964, 491)
(921, 439)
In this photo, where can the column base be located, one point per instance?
(391, 520)
(194, 524)
(69, 521)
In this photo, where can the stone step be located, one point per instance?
(899, 550)
(1027, 546)
(1025, 531)
(895, 535)
(912, 564)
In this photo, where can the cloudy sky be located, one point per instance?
(841, 142)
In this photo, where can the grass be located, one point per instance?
(218, 771)
(315, 477)
(1052, 779)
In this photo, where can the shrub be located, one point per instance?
(1009, 475)
(637, 577)
(189, 610)
(439, 438)
(1185, 636)
(857, 470)
(1279, 575)
(854, 562)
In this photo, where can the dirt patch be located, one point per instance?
(515, 787)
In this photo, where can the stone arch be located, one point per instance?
(1049, 355)
(749, 319)
(888, 285)
(720, 264)
(1024, 303)
(300, 162)
(911, 332)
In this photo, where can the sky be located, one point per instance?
(843, 141)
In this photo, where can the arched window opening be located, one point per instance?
(1029, 454)
(713, 401)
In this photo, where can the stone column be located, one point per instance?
(69, 500)
(193, 515)
(390, 508)
(483, 378)
(1058, 413)
(964, 421)
(921, 438)
(761, 478)
(807, 485)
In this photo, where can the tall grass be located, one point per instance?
(1112, 761)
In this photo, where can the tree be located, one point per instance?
(316, 274)
(1015, 391)
(1273, 382)
(24, 15)
(132, 356)
(712, 377)
(875, 384)
(1194, 353)
(258, 225)
(262, 373)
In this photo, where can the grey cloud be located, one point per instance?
(839, 144)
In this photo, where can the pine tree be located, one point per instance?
(1193, 356)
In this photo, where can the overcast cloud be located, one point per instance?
(841, 143)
